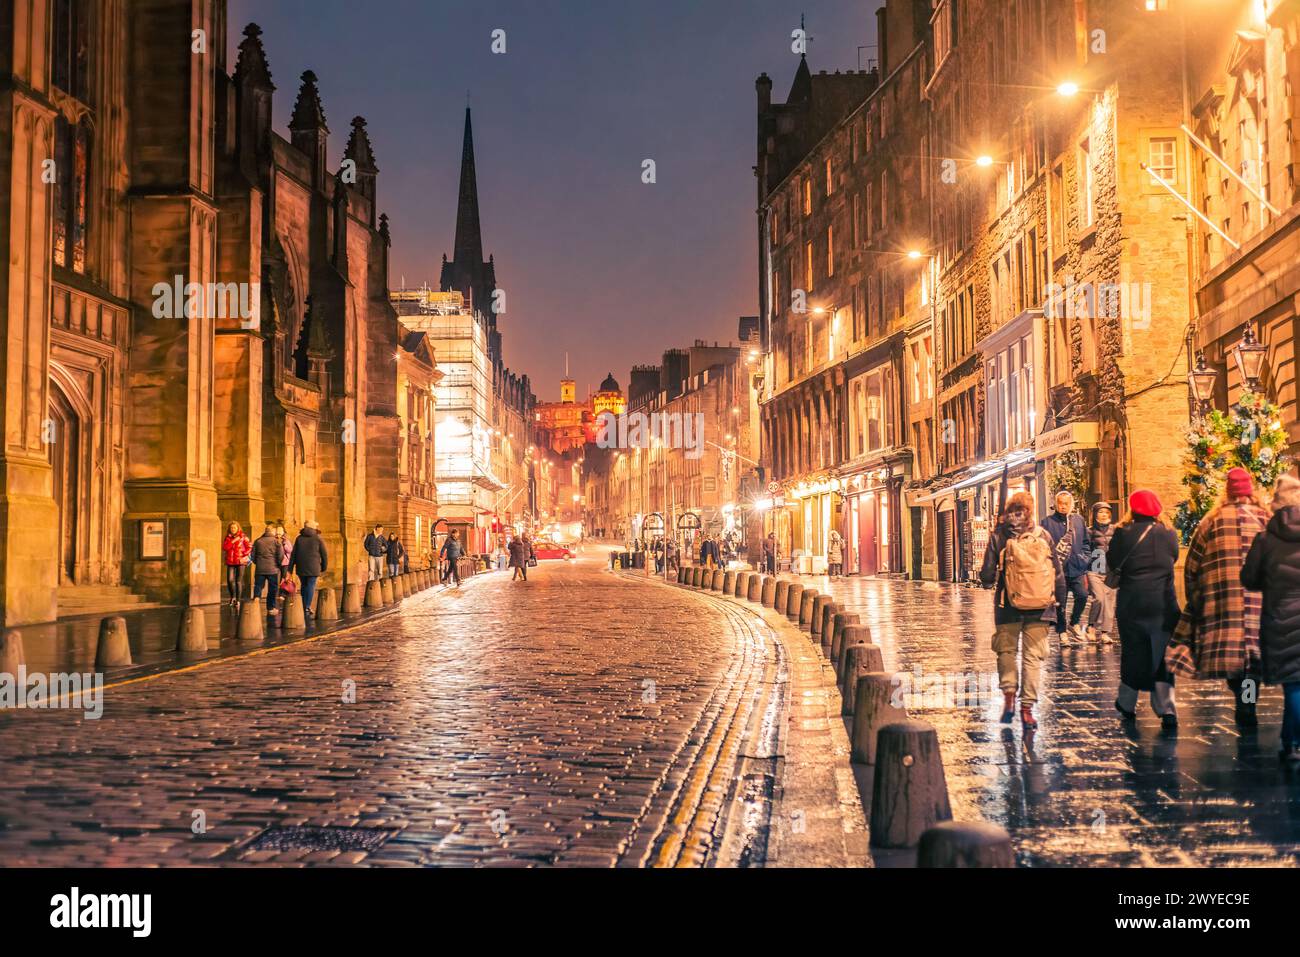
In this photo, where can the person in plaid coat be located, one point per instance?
(1218, 633)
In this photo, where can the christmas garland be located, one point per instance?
(1249, 435)
(1070, 474)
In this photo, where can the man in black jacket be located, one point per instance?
(1070, 536)
(376, 546)
(309, 560)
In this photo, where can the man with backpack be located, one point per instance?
(1070, 538)
(1022, 564)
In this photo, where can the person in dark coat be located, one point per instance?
(1143, 551)
(769, 553)
(309, 560)
(376, 546)
(396, 552)
(1016, 629)
(1101, 619)
(1070, 536)
(519, 559)
(267, 552)
(451, 552)
(1273, 567)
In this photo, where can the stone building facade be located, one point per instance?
(1031, 281)
(197, 327)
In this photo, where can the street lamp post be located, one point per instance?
(1201, 379)
(1249, 354)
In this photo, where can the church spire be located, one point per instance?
(469, 236)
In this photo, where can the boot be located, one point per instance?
(1245, 715)
(1008, 706)
(1027, 717)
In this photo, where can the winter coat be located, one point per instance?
(518, 553)
(267, 554)
(236, 548)
(1099, 537)
(286, 552)
(395, 551)
(309, 559)
(991, 576)
(1273, 568)
(376, 546)
(1218, 633)
(1070, 536)
(835, 553)
(1146, 606)
(451, 549)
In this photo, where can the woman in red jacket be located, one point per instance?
(235, 551)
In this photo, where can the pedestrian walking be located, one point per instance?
(1273, 569)
(835, 555)
(1218, 633)
(451, 552)
(519, 559)
(769, 553)
(376, 546)
(395, 553)
(310, 560)
(1101, 618)
(1140, 566)
(1070, 537)
(235, 552)
(1021, 564)
(671, 556)
(267, 555)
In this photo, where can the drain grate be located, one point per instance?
(281, 838)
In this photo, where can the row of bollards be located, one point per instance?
(113, 648)
(909, 799)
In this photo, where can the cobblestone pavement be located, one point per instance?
(577, 719)
(1083, 791)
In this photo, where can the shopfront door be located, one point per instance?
(867, 562)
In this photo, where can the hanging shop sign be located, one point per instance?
(1072, 435)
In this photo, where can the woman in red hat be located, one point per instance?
(1141, 556)
(1218, 634)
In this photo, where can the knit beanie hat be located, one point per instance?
(1240, 484)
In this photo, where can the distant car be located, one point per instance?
(551, 550)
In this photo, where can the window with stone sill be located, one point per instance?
(70, 74)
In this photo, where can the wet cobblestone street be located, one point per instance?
(1083, 792)
(568, 720)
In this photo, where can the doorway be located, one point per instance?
(63, 439)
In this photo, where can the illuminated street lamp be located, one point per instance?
(1201, 380)
(984, 160)
(1068, 88)
(1249, 353)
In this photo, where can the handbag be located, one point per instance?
(1113, 574)
(532, 562)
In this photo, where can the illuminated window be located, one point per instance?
(1162, 158)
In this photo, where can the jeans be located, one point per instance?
(1075, 587)
(453, 570)
(272, 583)
(1291, 714)
(308, 592)
(235, 581)
(376, 567)
(1102, 616)
(1162, 698)
(392, 569)
(1029, 637)
(769, 561)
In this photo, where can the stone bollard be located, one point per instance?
(873, 709)
(681, 575)
(11, 653)
(767, 593)
(820, 604)
(399, 587)
(374, 594)
(291, 616)
(778, 598)
(807, 601)
(961, 844)
(853, 635)
(327, 607)
(386, 590)
(858, 661)
(351, 599)
(192, 635)
(715, 583)
(728, 583)
(910, 793)
(842, 620)
(251, 624)
(694, 578)
(755, 588)
(793, 599)
(114, 649)
(825, 621)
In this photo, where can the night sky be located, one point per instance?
(593, 261)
